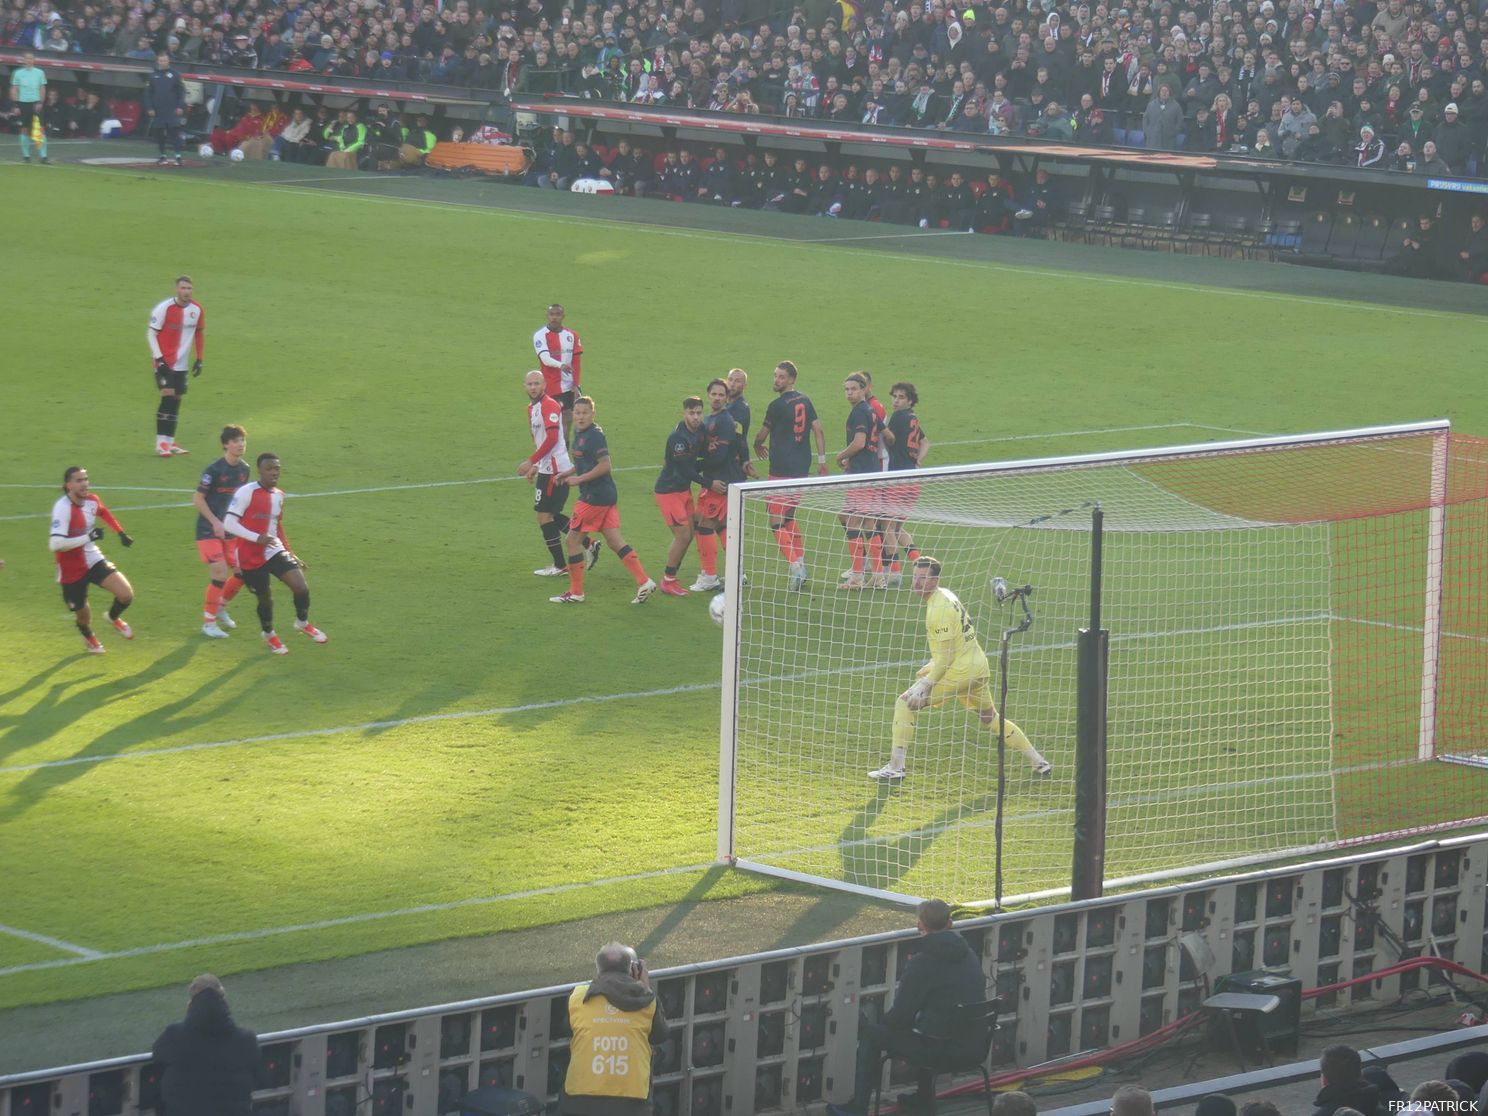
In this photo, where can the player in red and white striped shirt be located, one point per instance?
(80, 563)
(560, 351)
(177, 329)
(256, 517)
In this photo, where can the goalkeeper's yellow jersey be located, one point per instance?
(953, 638)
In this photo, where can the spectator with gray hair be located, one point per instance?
(617, 1024)
(210, 1066)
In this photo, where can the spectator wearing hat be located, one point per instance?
(209, 1065)
(1369, 151)
(1454, 141)
(242, 54)
(1415, 131)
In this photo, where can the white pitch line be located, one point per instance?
(83, 953)
(630, 695)
(349, 920)
(621, 469)
(1338, 302)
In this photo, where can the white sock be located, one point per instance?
(896, 757)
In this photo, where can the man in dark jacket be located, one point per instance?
(1343, 1083)
(209, 1064)
(165, 101)
(924, 1021)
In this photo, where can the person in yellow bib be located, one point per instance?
(617, 1023)
(957, 670)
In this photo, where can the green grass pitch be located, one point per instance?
(463, 757)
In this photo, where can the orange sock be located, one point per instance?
(783, 540)
(797, 548)
(875, 551)
(914, 555)
(576, 575)
(230, 590)
(855, 548)
(633, 564)
(213, 601)
(707, 548)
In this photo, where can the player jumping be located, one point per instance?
(957, 669)
(217, 548)
(256, 517)
(598, 507)
(789, 420)
(679, 472)
(177, 327)
(80, 563)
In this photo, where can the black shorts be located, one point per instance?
(566, 399)
(176, 381)
(257, 579)
(548, 495)
(75, 593)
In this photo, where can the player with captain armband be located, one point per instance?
(958, 669)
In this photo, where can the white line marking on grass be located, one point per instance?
(350, 920)
(602, 699)
(308, 181)
(1071, 276)
(83, 953)
(621, 469)
(422, 719)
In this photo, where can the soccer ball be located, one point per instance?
(205, 151)
(715, 609)
(237, 155)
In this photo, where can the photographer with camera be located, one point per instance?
(617, 1026)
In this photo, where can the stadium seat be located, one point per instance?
(1102, 224)
(1164, 231)
(1344, 239)
(1072, 226)
(1238, 237)
(1316, 228)
(1133, 230)
(1370, 246)
(983, 1013)
(1199, 234)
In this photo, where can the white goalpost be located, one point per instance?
(1275, 609)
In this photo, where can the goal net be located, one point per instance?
(1296, 626)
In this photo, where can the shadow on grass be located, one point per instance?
(681, 909)
(185, 712)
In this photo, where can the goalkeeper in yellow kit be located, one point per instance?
(957, 669)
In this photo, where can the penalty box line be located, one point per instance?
(622, 469)
(89, 956)
(81, 953)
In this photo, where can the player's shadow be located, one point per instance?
(31, 683)
(57, 711)
(881, 862)
(153, 723)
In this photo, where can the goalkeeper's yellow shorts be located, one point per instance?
(972, 689)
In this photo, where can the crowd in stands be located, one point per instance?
(1376, 83)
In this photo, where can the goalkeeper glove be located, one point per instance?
(162, 365)
(196, 369)
(918, 695)
(125, 539)
(96, 534)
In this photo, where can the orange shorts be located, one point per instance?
(594, 517)
(712, 505)
(863, 502)
(899, 500)
(782, 507)
(218, 550)
(676, 507)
